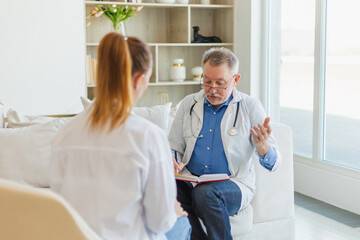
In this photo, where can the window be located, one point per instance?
(317, 63)
(342, 84)
(297, 31)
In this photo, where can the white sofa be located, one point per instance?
(25, 156)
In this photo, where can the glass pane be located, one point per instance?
(342, 98)
(297, 71)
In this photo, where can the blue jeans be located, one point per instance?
(213, 203)
(180, 231)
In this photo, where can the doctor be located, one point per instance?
(216, 131)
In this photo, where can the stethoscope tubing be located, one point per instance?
(232, 131)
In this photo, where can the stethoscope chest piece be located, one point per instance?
(232, 131)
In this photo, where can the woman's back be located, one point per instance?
(118, 181)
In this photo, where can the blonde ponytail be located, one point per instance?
(113, 92)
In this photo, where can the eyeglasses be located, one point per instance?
(219, 87)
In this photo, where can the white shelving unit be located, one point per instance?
(167, 28)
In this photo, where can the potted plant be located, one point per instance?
(117, 15)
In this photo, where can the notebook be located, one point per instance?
(203, 178)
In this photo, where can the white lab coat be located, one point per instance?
(122, 183)
(238, 148)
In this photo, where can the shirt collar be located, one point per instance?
(224, 104)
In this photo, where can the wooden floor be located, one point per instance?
(315, 220)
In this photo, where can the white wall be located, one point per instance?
(328, 183)
(249, 46)
(42, 56)
(242, 40)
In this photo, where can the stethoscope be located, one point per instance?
(232, 131)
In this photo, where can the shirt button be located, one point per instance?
(214, 113)
(208, 148)
(210, 130)
(266, 159)
(208, 105)
(206, 166)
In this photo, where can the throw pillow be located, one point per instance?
(2, 121)
(86, 102)
(17, 120)
(159, 114)
(25, 152)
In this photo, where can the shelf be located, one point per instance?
(168, 29)
(166, 83)
(159, 5)
(176, 44)
(172, 83)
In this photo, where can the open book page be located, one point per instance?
(203, 178)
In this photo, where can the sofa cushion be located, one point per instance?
(242, 222)
(25, 152)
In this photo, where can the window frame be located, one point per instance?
(272, 87)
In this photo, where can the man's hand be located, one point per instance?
(260, 135)
(179, 210)
(178, 166)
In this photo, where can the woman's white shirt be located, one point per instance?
(121, 182)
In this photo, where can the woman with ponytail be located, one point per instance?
(113, 166)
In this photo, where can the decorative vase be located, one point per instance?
(119, 28)
(197, 73)
(206, 2)
(177, 71)
(165, 1)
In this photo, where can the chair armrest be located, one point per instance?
(274, 197)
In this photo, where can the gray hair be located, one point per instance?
(218, 56)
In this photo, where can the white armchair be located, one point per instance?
(38, 214)
(271, 213)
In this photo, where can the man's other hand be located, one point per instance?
(260, 135)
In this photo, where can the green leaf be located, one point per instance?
(110, 10)
(110, 16)
(118, 11)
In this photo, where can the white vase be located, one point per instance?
(197, 73)
(165, 1)
(182, 1)
(178, 71)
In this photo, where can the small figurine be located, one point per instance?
(202, 39)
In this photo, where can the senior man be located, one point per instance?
(216, 131)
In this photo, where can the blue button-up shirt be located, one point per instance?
(209, 155)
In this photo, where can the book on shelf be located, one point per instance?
(91, 65)
(88, 70)
(203, 178)
(93, 70)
